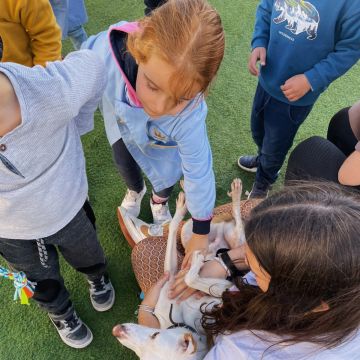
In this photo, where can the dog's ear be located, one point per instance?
(188, 343)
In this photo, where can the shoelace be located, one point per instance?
(160, 209)
(72, 323)
(131, 196)
(98, 285)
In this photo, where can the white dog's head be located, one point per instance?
(161, 344)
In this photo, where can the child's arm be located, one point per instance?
(62, 89)
(261, 35)
(199, 180)
(38, 19)
(80, 80)
(262, 24)
(346, 53)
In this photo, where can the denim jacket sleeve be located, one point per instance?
(195, 152)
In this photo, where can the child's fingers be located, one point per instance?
(262, 56)
(253, 70)
(199, 294)
(177, 290)
(286, 86)
(186, 294)
(187, 261)
(252, 64)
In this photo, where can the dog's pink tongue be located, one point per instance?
(118, 331)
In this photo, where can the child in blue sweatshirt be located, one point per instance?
(302, 47)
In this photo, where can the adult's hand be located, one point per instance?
(179, 287)
(145, 316)
(152, 296)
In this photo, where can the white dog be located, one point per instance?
(184, 334)
(158, 344)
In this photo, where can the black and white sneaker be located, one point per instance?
(102, 293)
(248, 163)
(72, 330)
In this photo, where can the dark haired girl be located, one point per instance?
(303, 249)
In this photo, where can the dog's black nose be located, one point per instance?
(118, 330)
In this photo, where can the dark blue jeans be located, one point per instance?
(274, 125)
(38, 258)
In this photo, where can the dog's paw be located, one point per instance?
(236, 190)
(181, 208)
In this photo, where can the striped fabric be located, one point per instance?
(42, 167)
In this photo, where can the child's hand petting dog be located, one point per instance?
(179, 287)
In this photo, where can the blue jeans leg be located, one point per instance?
(77, 36)
(274, 125)
(261, 98)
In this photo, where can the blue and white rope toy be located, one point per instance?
(24, 289)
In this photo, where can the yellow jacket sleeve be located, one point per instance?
(38, 19)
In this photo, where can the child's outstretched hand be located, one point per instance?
(257, 54)
(296, 87)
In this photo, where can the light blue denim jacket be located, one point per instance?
(165, 148)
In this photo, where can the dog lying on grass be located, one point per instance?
(181, 331)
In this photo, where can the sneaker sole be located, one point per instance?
(107, 307)
(252, 170)
(78, 346)
(124, 229)
(71, 344)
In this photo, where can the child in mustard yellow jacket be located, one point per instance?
(29, 34)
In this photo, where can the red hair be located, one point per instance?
(188, 35)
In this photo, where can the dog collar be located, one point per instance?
(176, 324)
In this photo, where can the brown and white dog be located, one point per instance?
(181, 335)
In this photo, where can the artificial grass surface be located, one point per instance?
(25, 331)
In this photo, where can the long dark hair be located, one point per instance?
(307, 237)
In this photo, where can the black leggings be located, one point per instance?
(319, 158)
(130, 170)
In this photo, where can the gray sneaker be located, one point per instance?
(72, 330)
(102, 293)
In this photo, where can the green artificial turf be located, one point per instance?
(25, 331)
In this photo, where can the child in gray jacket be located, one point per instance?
(43, 185)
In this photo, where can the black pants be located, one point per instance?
(130, 170)
(38, 258)
(319, 158)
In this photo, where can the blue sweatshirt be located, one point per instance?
(318, 38)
